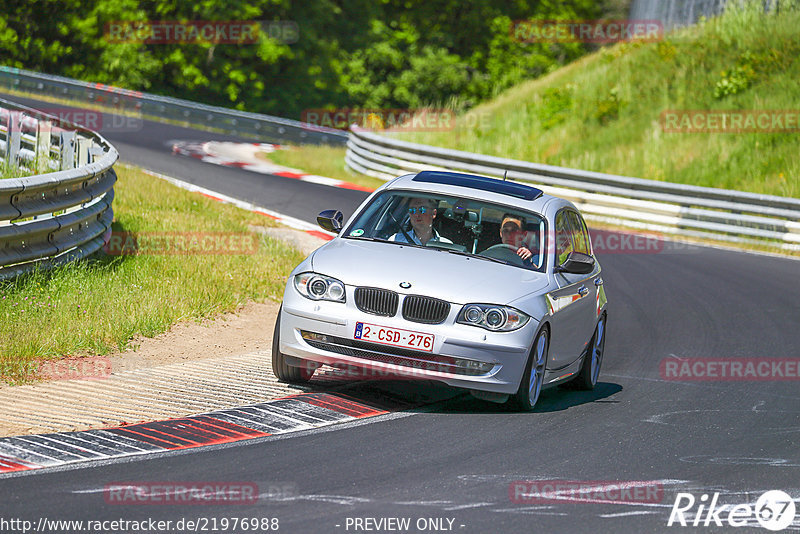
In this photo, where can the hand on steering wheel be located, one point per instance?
(507, 253)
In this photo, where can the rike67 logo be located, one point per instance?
(774, 510)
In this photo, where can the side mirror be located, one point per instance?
(577, 263)
(330, 220)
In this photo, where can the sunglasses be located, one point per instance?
(422, 210)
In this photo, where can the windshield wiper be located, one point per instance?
(366, 238)
(470, 255)
(379, 240)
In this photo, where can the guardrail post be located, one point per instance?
(44, 131)
(14, 137)
(94, 153)
(67, 150)
(84, 145)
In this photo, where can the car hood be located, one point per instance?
(431, 272)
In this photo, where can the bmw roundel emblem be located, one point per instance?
(405, 285)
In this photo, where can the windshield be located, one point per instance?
(459, 225)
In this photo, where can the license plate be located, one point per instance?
(396, 337)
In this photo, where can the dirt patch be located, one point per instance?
(247, 330)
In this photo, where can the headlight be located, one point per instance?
(491, 317)
(318, 287)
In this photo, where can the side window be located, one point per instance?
(563, 238)
(580, 236)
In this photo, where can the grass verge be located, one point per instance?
(323, 161)
(39, 166)
(96, 306)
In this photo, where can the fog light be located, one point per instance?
(313, 336)
(474, 367)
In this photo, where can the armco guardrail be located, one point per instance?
(52, 218)
(230, 120)
(686, 210)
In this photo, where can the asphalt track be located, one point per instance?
(457, 459)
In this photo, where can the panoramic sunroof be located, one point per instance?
(503, 187)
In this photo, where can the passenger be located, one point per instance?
(421, 211)
(513, 234)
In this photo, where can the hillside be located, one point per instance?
(604, 111)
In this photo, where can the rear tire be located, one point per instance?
(283, 371)
(590, 369)
(530, 388)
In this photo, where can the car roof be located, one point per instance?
(489, 189)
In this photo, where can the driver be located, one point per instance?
(513, 234)
(421, 212)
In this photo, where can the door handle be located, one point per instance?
(583, 291)
(598, 282)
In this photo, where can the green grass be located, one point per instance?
(14, 171)
(97, 306)
(602, 112)
(322, 161)
(10, 171)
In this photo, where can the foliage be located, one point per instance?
(608, 107)
(734, 81)
(360, 53)
(556, 103)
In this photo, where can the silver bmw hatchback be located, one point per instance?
(479, 283)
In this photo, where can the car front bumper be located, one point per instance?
(462, 356)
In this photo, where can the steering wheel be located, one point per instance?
(503, 252)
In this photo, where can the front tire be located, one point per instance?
(283, 371)
(590, 369)
(530, 388)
